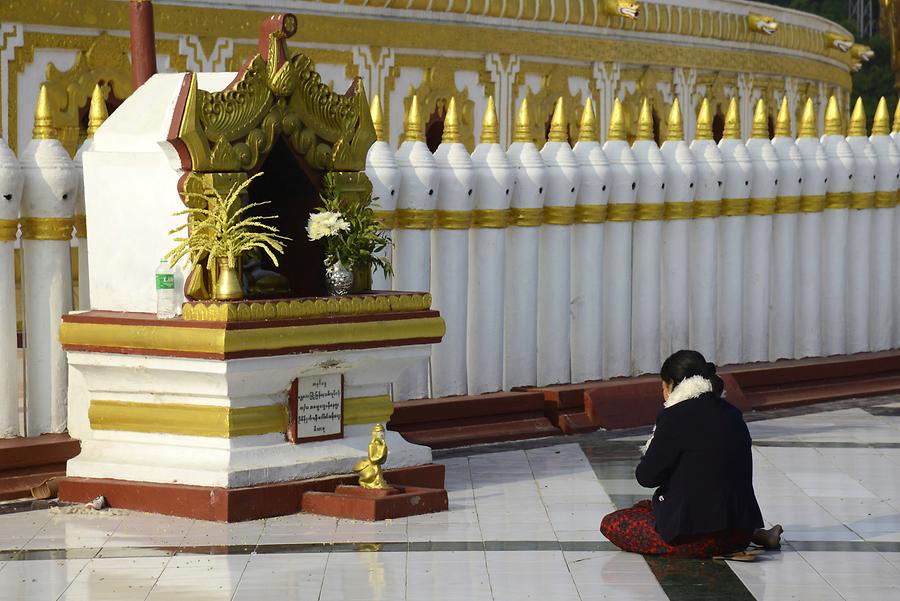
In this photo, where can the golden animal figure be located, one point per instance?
(369, 470)
(762, 24)
(622, 8)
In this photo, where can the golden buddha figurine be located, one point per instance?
(369, 470)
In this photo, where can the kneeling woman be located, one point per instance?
(699, 458)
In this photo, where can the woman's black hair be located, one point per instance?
(685, 364)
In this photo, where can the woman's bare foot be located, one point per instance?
(769, 539)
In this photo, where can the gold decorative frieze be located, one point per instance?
(307, 308)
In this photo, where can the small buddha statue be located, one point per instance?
(369, 470)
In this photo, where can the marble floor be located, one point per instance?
(522, 525)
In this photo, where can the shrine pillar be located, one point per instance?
(11, 182)
(382, 171)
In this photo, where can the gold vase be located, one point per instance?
(228, 284)
(362, 279)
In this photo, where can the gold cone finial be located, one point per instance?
(490, 131)
(783, 121)
(43, 118)
(704, 122)
(760, 121)
(522, 132)
(617, 129)
(645, 122)
(896, 124)
(558, 130)
(833, 125)
(414, 130)
(858, 120)
(451, 124)
(881, 124)
(587, 130)
(808, 127)
(732, 129)
(377, 118)
(675, 124)
(97, 113)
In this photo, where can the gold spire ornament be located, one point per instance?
(645, 122)
(587, 129)
(858, 120)
(881, 124)
(377, 118)
(451, 124)
(732, 129)
(43, 118)
(808, 127)
(783, 121)
(522, 131)
(675, 123)
(896, 124)
(414, 130)
(617, 129)
(704, 122)
(490, 131)
(369, 470)
(833, 124)
(558, 130)
(97, 113)
(760, 121)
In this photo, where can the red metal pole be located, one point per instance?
(143, 42)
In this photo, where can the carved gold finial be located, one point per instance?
(783, 121)
(617, 129)
(43, 118)
(881, 124)
(97, 114)
(896, 123)
(490, 131)
(522, 131)
(369, 470)
(451, 124)
(704, 122)
(858, 120)
(587, 131)
(808, 127)
(732, 122)
(377, 118)
(558, 129)
(675, 124)
(760, 121)
(415, 130)
(833, 124)
(645, 122)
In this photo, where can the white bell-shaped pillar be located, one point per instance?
(587, 251)
(11, 182)
(895, 136)
(382, 171)
(704, 236)
(494, 182)
(520, 354)
(48, 208)
(450, 257)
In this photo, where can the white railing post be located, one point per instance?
(11, 181)
(382, 171)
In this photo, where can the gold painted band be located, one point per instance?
(650, 212)
(387, 219)
(787, 204)
(47, 228)
(526, 217)
(735, 207)
(187, 420)
(837, 200)
(367, 410)
(707, 208)
(415, 219)
(812, 204)
(8, 229)
(81, 226)
(886, 200)
(559, 215)
(306, 308)
(453, 220)
(862, 200)
(490, 218)
(763, 206)
(625, 211)
(590, 213)
(679, 210)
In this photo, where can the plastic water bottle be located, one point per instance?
(165, 291)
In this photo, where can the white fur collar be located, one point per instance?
(689, 388)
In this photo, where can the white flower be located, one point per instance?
(322, 225)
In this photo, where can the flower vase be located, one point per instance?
(338, 279)
(228, 285)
